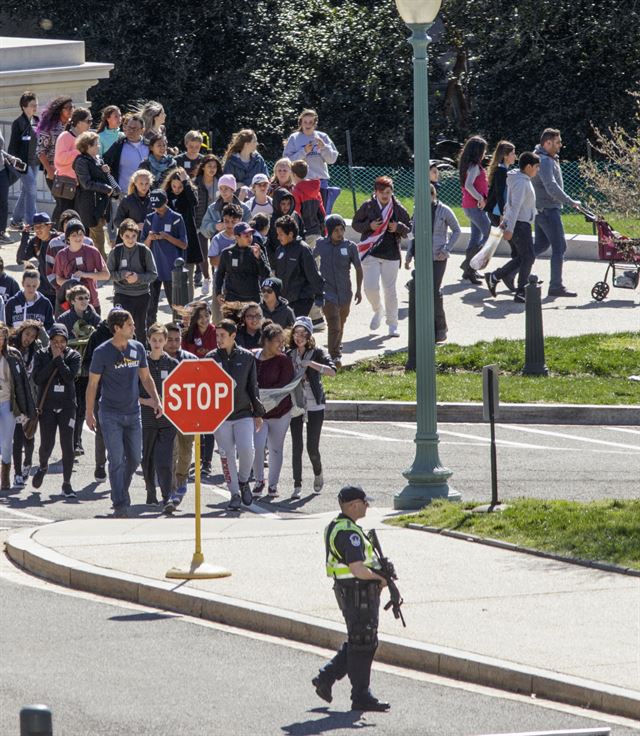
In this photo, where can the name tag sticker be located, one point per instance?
(198, 341)
(187, 164)
(3, 289)
(167, 228)
(18, 308)
(164, 374)
(234, 262)
(123, 262)
(280, 255)
(58, 388)
(133, 354)
(79, 261)
(343, 251)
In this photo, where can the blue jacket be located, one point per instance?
(16, 310)
(244, 171)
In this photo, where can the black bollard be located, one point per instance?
(35, 720)
(534, 364)
(179, 285)
(410, 365)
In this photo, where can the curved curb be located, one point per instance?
(452, 412)
(27, 553)
(510, 547)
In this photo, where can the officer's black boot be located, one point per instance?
(359, 671)
(335, 669)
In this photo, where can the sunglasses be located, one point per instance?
(267, 291)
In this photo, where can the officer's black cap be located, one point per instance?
(353, 493)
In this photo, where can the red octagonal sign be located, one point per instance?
(197, 396)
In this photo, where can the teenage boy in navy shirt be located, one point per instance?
(165, 233)
(117, 365)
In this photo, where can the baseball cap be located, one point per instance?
(353, 493)
(243, 228)
(41, 218)
(158, 198)
(260, 179)
(228, 180)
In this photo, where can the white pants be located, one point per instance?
(235, 436)
(272, 433)
(376, 270)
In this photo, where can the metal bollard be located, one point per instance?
(35, 720)
(410, 365)
(534, 364)
(179, 285)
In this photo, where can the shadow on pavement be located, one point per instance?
(332, 721)
(143, 617)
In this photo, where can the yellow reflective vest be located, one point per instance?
(336, 567)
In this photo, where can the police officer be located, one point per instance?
(351, 562)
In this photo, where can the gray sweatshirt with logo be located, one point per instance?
(520, 205)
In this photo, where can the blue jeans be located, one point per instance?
(550, 232)
(122, 434)
(25, 207)
(480, 229)
(7, 427)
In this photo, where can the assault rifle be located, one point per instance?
(388, 572)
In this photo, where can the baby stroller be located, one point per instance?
(621, 253)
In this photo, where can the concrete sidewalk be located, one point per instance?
(473, 612)
(472, 313)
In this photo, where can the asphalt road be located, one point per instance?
(572, 462)
(109, 669)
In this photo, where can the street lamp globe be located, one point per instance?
(418, 12)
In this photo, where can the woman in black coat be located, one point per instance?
(136, 205)
(95, 188)
(183, 198)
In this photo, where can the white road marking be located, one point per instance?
(622, 429)
(24, 515)
(479, 440)
(564, 435)
(253, 508)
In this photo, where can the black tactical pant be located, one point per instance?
(359, 602)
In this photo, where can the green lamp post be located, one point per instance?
(427, 479)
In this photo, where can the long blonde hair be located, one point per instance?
(134, 178)
(503, 149)
(238, 140)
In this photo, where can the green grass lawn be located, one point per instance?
(573, 223)
(589, 369)
(605, 531)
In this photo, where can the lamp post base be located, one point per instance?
(198, 571)
(424, 486)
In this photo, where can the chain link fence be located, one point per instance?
(357, 184)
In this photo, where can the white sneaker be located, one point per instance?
(297, 493)
(18, 481)
(376, 320)
(206, 286)
(318, 483)
(393, 331)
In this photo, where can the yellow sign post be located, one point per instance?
(199, 569)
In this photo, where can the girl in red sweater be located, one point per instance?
(200, 337)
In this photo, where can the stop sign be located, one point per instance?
(197, 396)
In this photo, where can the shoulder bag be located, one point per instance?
(64, 187)
(30, 426)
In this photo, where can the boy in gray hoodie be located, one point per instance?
(519, 216)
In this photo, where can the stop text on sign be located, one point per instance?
(190, 396)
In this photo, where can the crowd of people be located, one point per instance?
(272, 266)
